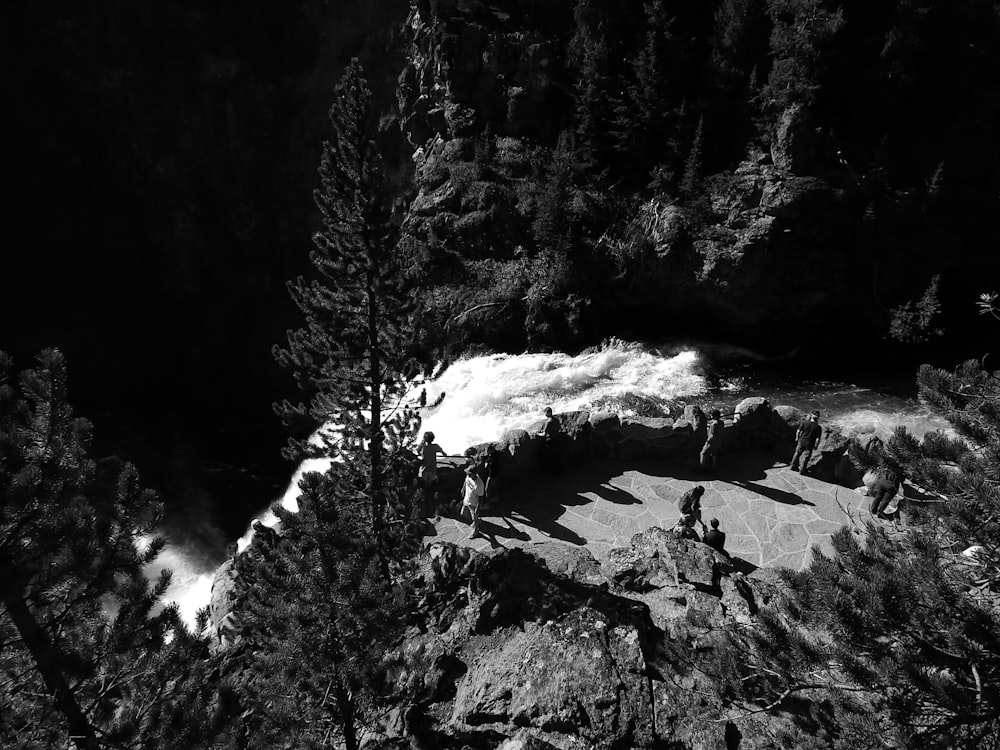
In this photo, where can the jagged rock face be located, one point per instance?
(513, 654)
(579, 675)
(794, 146)
(765, 255)
(767, 259)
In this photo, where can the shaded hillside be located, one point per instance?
(665, 167)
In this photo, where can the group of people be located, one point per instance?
(476, 488)
(478, 483)
(690, 508)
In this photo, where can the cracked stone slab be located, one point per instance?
(763, 524)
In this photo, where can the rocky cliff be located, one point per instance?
(771, 245)
(547, 648)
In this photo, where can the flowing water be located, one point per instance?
(486, 395)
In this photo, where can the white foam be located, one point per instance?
(191, 576)
(916, 418)
(486, 396)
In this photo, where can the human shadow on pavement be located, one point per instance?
(771, 493)
(492, 530)
(546, 523)
(746, 465)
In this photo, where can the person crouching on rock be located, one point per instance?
(684, 528)
(690, 507)
(885, 488)
(472, 495)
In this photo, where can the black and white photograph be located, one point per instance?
(500, 375)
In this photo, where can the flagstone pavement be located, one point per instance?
(770, 514)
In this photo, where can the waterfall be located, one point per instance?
(484, 396)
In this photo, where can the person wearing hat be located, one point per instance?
(710, 451)
(806, 439)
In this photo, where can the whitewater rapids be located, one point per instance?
(484, 396)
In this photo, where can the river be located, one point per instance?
(484, 396)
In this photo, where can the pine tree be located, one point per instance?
(352, 358)
(902, 628)
(640, 117)
(595, 92)
(316, 613)
(80, 647)
(802, 30)
(692, 167)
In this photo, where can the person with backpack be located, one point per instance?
(473, 490)
(690, 507)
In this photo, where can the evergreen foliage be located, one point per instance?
(801, 34)
(902, 630)
(85, 646)
(318, 603)
(352, 359)
(316, 613)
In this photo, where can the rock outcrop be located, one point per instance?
(511, 653)
(517, 456)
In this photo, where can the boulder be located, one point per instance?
(785, 420)
(579, 675)
(575, 563)
(656, 558)
(754, 414)
(792, 197)
(604, 421)
(517, 455)
(793, 147)
(827, 457)
(647, 428)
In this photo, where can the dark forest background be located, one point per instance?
(161, 157)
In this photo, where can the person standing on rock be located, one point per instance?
(806, 439)
(485, 471)
(550, 432)
(472, 495)
(710, 450)
(716, 539)
(429, 451)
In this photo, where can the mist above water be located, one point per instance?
(485, 396)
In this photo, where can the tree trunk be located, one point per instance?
(345, 701)
(47, 657)
(375, 384)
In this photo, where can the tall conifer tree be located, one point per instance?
(351, 358)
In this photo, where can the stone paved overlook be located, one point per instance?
(770, 514)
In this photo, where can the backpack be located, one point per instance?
(687, 502)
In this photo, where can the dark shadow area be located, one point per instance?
(771, 493)
(742, 566)
(493, 531)
(546, 523)
(744, 465)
